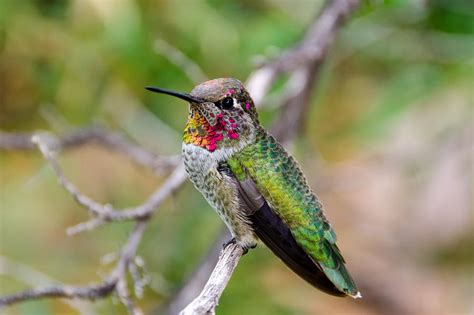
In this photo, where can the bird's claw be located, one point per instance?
(231, 241)
(234, 241)
(246, 249)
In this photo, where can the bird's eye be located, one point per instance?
(227, 103)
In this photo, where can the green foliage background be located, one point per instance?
(398, 66)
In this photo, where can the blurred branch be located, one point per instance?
(115, 282)
(310, 50)
(127, 263)
(291, 118)
(178, 58)
(33, 277)
(105, 212)
(317, 39)
(10, 141)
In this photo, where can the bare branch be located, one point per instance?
(177, 57)
(142, 212)
(60, 291)
(207, 301)
(172, 183)
(120, 273)
(113, 141)
(196, 281)
(117, 280)
(290, 121)
(44, 142)
(85, 226)
(139, 275)
(105, 212)
(95, 291)
(311, 49)
(317, 39)
(33, 278)
(16, 141)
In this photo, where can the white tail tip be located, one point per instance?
(357, 295)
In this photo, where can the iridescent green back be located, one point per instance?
(282, 183)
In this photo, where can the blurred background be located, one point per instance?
(387, 144)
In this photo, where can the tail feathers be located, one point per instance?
(338, 274)
(332, 278)
(277, 236)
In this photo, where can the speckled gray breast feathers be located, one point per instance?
(219, 190)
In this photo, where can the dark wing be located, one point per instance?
(274, 233)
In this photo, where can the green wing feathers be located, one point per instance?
(337, 272)
(283, 185)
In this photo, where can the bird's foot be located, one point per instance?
(246, 248)
(234, 241)
(231, 241)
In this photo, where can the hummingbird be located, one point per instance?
(257, 188)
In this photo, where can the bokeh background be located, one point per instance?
(387, 144)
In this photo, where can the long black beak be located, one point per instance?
(183, 96)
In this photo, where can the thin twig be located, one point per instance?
(117, 279)
(32, 277)
(312, 48)
(90, 292)
(120, 273)
(103, 213)
(178, 58)
(291, 118)
(10, 141)
(317, 39)
(141, 212)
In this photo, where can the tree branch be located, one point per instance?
(10, 141)
(310, 50)
(209, 297)
(103, 213)
(115, 282)
(196, 281)
(117, 279)
(176, 56)
(91, 292)
(35, 278)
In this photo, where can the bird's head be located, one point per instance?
(221, 114)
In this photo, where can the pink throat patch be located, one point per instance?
(214, 134)
(219, 131)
